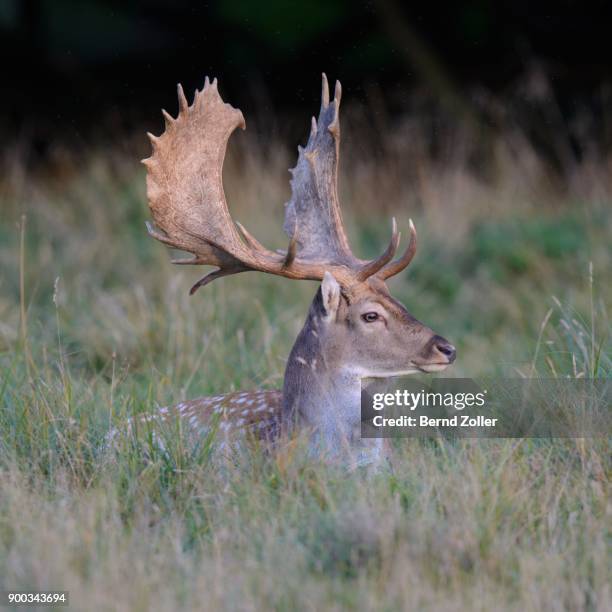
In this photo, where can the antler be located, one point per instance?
(400, 264)
(314, 209)
(187, 201)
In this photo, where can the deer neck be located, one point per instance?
(320, 391)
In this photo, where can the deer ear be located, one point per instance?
(330, 291)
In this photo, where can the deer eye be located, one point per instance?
(370, 317)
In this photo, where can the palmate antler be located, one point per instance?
(185, 193)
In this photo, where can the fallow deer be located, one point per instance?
(354, 330)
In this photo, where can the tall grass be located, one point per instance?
(95, 326)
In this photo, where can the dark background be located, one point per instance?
(75, 69)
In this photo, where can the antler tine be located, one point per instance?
(291, 249)
(160, 235)
(372, 267)
(183, 104)
(250, 239)
(338, 92)
(313, 128)
(334, 126)
(188, 261)
(397, 266)
(324, 92)
(211, 276)
(168, 118)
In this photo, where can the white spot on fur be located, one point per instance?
(301, 360)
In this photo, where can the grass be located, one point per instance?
(95, 325)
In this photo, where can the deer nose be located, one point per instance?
(445, 348)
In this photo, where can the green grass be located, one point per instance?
(95, 326)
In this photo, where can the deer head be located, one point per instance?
(355, 328)
(365, 328)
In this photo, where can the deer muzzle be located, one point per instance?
(437, 355)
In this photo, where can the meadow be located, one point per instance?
(96, 325)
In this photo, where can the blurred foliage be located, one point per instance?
(286, 26)
(120, 59)
(509, 248)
